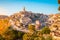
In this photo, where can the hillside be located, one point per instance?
(28, 17)
(26, 23)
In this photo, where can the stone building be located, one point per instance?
(37, 25)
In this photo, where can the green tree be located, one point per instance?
(39, 33)
(1, 37)
(59, 5)
(45, 30)
(39, 38)
(48, 38)
(11, 34)
(27, 36)
(59, 8)
(31, 27)
(58, 1)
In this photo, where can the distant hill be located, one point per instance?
(3, 16)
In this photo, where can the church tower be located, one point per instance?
(24, 9)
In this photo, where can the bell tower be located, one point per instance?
(24, 9)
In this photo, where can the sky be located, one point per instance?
(9, 7)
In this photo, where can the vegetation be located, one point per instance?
(48, 38)
(45, 30)
(58, 1)
(4, 24)
(31, 27)
(37, 35)
(11, 34)
(1, 37)
(7, 33)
